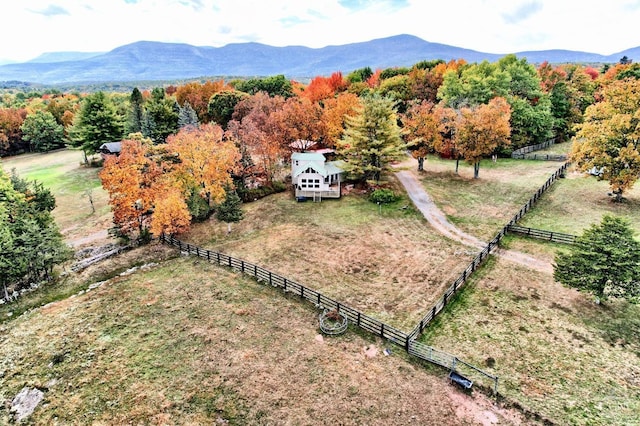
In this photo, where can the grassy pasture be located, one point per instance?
(556, 352)
(579, 200)
(62, 172)
(385, 261)
(482, 206)
(187, 342)
(117, 349)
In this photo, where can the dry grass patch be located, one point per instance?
(481, 207)
(573, 204)
(190, 343)
(389, 264)
(555, 351)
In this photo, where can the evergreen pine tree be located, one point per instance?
(372, 139)
(187, 117)
(229, 211)
(604, 260)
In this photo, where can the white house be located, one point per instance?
(315, 177)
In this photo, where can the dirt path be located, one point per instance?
(439, 221)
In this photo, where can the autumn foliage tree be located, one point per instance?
(205, 161)
(198, 96)
(11, 120)
(334, 115)
(481, 130)
(131, 179)
(170, 214)
(253, 128)
(422, 131)
(323, 87)
(297, 119)
(609, 137)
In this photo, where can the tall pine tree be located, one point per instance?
(605, 261)
(372, 139)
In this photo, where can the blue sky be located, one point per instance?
(32, 27)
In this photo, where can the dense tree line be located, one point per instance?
(454, 109)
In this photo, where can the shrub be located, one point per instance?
(383, 196)
(248, 195)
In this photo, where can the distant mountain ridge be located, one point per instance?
(147, 60)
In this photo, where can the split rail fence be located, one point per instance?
(361, 320)
(370, 324)
(556, 237)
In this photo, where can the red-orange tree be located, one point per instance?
(254, 130)
(298, 119)
(422, 131)
(481, 130)
(131, 180)
(323, 87)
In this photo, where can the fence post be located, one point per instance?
(382, 329)
(218, 255)
(285, 284)
(358, 320)
(270, 278)
(242, 266)
(406, 344)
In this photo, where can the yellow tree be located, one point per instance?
(170, 214)
(481, 130)
(204, 160)
(608, 138)
(422, 131)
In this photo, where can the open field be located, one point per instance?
(386, 262)
(555, 149)
(62, 172)
(481, 207)
(555, 350)
(573, 204)
(186, 342)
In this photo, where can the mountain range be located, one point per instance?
(147, 60)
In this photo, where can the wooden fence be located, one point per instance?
(556, 237)
(482, 256)
(519, 153)
(372, 325)
(542, 157)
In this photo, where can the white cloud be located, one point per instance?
(30, 28)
